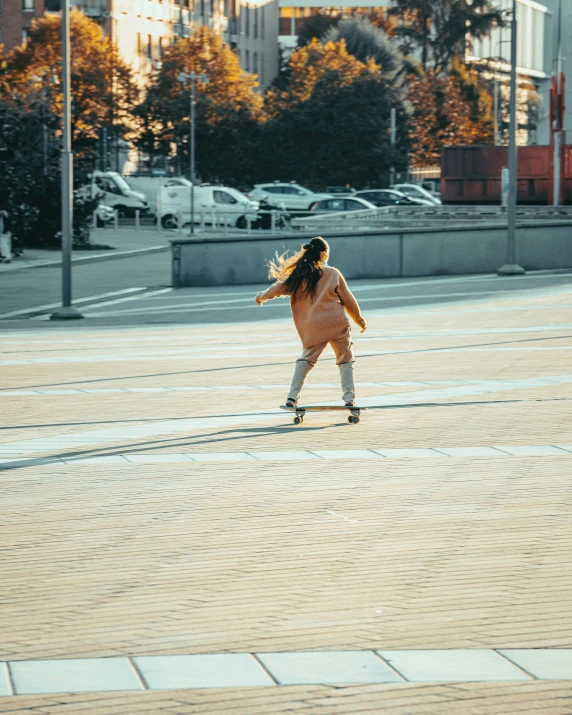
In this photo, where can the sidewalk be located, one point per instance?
(175, 544)
(123, 242)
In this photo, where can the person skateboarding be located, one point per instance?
(321, 302)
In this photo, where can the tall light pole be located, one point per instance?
(557, 114)
(67, 311)
(511, 267)
(193, 76)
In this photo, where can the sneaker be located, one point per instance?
(291, 403)
(350, 403)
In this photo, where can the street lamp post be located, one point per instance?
(511, 267)
(193, 76)
(67, 311)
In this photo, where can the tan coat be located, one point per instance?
(323, 317)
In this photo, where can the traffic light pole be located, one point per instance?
(67, 311)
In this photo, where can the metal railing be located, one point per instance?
(213, 222)
(385, 218)
(391, 217)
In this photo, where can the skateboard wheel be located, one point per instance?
(353, 419)
(297, 420)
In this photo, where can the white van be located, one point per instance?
(218, 205)
(117, 194)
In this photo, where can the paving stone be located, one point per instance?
(543, 663)
(532, 450)
(83, 461)
(281, 456)
(408, 452)
(221, 457)
(453, 665)
(156, 458)
(73, 675)
(472, 452)
(332, 668)
(4, 680)
(346, 453)
(202, 671)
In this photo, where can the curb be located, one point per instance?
(89, 259)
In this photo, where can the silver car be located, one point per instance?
(292, 196)
(341, 205)
(414, 191)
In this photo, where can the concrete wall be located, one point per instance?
(242, 260)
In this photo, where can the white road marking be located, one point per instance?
(287, 456)
(198, 424)
(79, 301)
(496, 386)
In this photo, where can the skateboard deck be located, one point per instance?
(302, 409)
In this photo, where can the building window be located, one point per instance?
(262, 68)
(286, 20)
(247, 60)
(28, 5)
(149, 47)
(247, 20)
(262, 22)
(255, 62)
(160, 48)
(302, 14)
(24, 35)
(255, 27)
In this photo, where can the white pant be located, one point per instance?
(343, 348)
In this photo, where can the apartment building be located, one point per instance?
(294, 13)
(252, 31)
(142, 29)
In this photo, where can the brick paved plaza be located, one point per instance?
(172, 543)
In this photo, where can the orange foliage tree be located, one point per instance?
(447, 110)
(103, 88)
(225, 103)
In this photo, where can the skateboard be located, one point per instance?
(301, 411)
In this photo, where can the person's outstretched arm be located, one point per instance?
(350, 304)
(276, 290)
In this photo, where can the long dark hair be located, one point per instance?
(303, 270)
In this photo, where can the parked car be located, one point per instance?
(387, 197)
(293, 196)
(117, 193)
(103, 215)
(220, 204)
(340, 205)
(415, 191)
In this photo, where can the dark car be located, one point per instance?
(386, 197)
(341, 204)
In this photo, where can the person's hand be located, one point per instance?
(363, 326)
(258, 298)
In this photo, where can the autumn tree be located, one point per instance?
(316, 26)
(366, 41)
(332, 124)
(445, 111)
(439, 30)
(103, 88)
(226, 105)
(103, 92)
